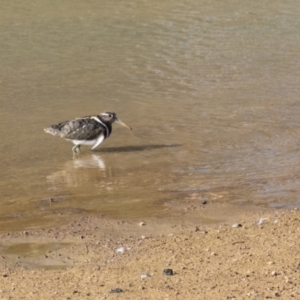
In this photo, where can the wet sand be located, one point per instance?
(90, 257)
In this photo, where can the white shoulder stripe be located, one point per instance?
(105, 126)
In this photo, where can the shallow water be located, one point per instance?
(211, 90)
(34, 255)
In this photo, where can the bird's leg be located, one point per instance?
(76, 149)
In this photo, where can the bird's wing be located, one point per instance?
(79, 129)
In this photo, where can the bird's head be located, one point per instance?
(111, 117)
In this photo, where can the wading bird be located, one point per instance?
(90, 130)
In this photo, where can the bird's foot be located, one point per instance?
(76, 149)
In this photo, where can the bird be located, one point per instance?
(90, 130)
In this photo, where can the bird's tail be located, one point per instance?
(53, 131)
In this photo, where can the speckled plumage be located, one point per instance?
(89, 130)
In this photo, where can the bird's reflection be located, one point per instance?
(91, 173)
(93, 161)
(85, 171)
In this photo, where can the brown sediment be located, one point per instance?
(92, 256)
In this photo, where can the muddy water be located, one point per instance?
(211, 90)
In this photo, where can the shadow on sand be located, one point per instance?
(135, 148)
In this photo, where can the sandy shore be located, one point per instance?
(93, 258)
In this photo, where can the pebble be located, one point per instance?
(236, 225)
(120, 250)
(287, 280)
(116, 290)
(142, 223)
(168, 272)
(143, 276)
(261, 221)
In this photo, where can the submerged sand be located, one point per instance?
(96, 258)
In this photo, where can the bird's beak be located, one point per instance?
(122, 123)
